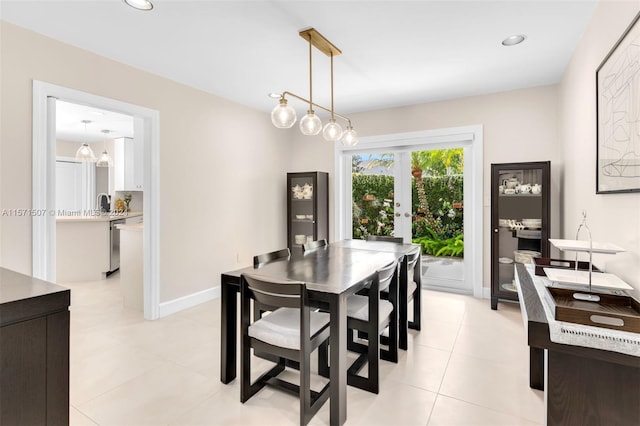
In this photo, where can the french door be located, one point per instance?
(381, 194)
(393, 212)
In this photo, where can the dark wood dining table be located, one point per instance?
(331, 273)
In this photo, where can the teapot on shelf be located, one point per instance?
(307, 191)
(297, 192)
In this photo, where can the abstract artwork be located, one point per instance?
(618, 115)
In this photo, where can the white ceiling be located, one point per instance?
(69, 126)
(394, 52)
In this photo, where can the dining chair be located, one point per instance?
(387, 238)
(369, 316)
(414, 286)
(291, 332)
(408, 280)
(314, 244)
(263, 259)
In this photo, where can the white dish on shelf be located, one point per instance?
(509, 287)
(505, 260)
(582, 245)
(309, 216)
(601, 280)
(300, 216)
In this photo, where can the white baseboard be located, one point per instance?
(191, 300)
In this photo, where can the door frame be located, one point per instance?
(43, 185)
(468, 137)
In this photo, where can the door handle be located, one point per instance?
(495, 230)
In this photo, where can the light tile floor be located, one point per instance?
(468, 366)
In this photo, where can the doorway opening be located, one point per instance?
(45, 96)
(424, 187)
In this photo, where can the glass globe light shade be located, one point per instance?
(283, 116)
(349, 137)
(332, 131)
(310, 124)
(104, 160)
(85, 153)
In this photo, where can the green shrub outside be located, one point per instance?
(440, 233)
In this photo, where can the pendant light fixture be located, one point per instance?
(105, 158)
(283, 115)
(85, 153)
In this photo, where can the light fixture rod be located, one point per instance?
(293, 95)
(332, 86)
(310, 75)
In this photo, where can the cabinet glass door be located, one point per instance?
(301, 194)
(519, 220)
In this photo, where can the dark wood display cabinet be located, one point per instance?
(34, 351)
(519, 222)
(307, 208)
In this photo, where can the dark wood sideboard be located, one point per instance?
(34, 351)
(583, 386)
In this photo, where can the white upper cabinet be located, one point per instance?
(128, 164)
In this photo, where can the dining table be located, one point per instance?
(332, 273)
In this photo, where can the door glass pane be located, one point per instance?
(372, 194)
(438, 212)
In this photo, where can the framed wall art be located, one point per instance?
(618, 115)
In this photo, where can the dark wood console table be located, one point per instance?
(34, 351)
(583, 386)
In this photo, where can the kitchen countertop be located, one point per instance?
(97, 217)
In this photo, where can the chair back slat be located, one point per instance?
(314, 244)
(276, 294)
(412, 257)
(386, 238)
(386, 274)
(265, 258)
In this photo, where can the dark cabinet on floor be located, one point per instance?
(307, 208)
(519, 221)
(34, 351)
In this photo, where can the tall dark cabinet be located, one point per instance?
(307, 207)
(519, 221)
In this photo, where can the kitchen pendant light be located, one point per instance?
(283, 116)
(105, 158)
(85, 153)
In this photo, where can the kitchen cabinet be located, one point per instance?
(34, 349)
(128, 164)
(307, 208)
(520, 216)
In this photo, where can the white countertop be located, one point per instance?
(97, 217)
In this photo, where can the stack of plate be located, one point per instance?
(532, 223)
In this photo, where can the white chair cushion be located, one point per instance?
(282, 327)
(358, 308)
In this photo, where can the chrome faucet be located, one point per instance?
(99, 201)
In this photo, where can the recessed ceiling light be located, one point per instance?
(140, 4)
(513, 40)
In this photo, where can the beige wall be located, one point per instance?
(612, 218)
(222, 179)
(518, 126)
